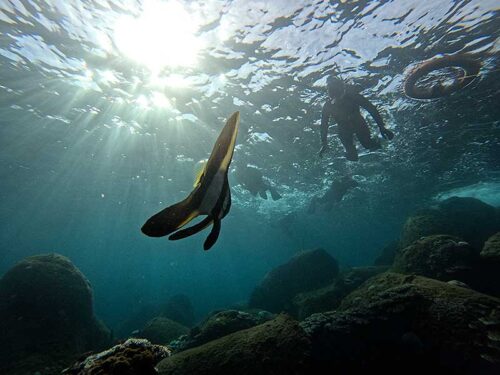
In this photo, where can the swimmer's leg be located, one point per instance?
(346, 137)
(365, 138)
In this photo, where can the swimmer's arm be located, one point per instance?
(325, 118)
(372, 110)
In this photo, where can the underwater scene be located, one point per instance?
(249, 187)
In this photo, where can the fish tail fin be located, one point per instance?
(212, 237)
(170, 219)
(191, 230)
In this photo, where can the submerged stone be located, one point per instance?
(46, 314)
(279, 346)
(306, 271)
(162, 330)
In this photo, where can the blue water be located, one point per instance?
(104, 119)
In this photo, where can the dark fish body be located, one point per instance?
(211, 195)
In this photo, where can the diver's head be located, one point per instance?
(335, 86)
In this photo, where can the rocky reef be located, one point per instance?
(279, 346)
(133, 357)
(467, 218)
(46, 316)
(218, 325)
(395, 322)
(162, 330)
(306, 271)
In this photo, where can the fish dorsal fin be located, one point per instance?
(200, 173)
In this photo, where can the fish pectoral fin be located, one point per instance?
(213, 236)
(191, 230)
(170, 219)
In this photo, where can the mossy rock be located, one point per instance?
(440, 257)
(306, 271)
(396, 322)
(329, 298)
(162, 330)
(46, 311)
(491, 249)
(276, 347)
(180, 309)
(387, 255)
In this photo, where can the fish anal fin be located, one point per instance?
(191, 230)
(213, 236)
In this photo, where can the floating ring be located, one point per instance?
(470, 69)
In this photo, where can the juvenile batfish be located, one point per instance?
(211, 195)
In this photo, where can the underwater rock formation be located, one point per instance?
(387, 255)
(46, 312)
(306, 271)
(220, 324)
(491, 249)
(467, 218)
(279, 346)
(179, 309)
(411, 324)
(162, 330)
(440, 257)
(133, 357)
(329, 298)
(488, 272)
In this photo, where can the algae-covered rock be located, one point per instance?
(387, 255)
(180, 309)
(467, 218)
(46, 312)
(162, 330)
(329, 297)
(440, 257)
(219, 324)
(491, 249)
(279, 346)
(396, 322)
(133, 357)
(306, 271)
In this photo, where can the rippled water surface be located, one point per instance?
(106, 108)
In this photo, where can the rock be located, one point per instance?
(276, 347)
(395, 322)
(180, 309)
(387, 255)
(440, 257)
(137, 319)
(467, 218)
(220, 324)
(306, 271)
(162, 330)
(46, 311)
(491, 249)
(133, 357)
(488, 271)
(329, 298)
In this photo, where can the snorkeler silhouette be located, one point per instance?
(251, 179)
(334, 194)
(344, 107)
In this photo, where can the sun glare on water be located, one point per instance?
(162, 36)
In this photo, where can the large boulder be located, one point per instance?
(440, 257)
(133, 357)
(467, 218)
(488, 271)
(161, 330)
(180, 309)
(46, 310)
(219, 324)
(276, 347)
(329, 297)
(399, 323)
(387, 255)
(306, 271)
